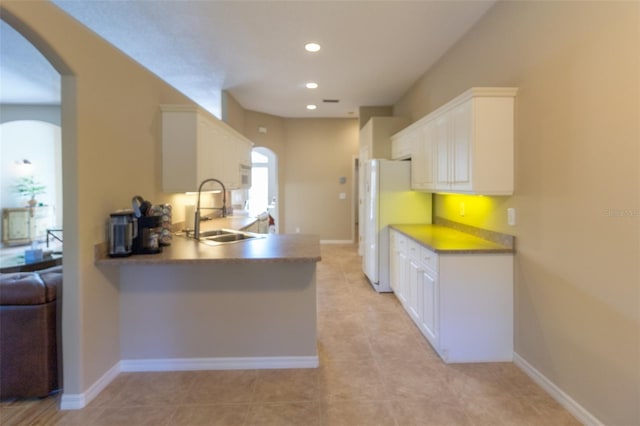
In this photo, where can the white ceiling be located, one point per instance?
(372, 51)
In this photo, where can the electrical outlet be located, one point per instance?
(511, 216)
(297, 230)
(462, 209)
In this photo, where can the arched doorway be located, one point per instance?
(30, 124)
(70, 353)
(263, 195)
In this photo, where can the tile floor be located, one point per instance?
(375, 369)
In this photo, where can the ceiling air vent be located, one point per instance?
(330, 101)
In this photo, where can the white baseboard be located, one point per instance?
(190, 364)
(556, 393)
(336, 241)
(79, 401)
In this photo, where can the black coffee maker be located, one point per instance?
(149, 228)
(148, 239)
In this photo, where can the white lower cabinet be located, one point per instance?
(414, 281)
(462, 303)
(428, 295)
(394, 260)
(398, 265)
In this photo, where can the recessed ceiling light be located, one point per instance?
(312, 47)
(312, 85)
(311, 107)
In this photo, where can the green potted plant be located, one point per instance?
(28, 186)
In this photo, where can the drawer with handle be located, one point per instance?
(413, 250)
(399, 241)
(429, 258)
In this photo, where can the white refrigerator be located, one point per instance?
(388, 199)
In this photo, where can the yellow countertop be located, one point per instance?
(446, 240)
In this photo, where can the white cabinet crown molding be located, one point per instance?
(207, 115)
(474, 92)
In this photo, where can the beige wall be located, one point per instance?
(365, 113)
(111, 151)
(312, 154)
(318, 153)
(577, 277)
(232, 112)
(48, 113)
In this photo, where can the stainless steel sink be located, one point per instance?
(226, 236)
(216, 232)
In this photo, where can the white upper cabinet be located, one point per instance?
(197, 146)
(423, 156)
(466, 146)
(402, 148)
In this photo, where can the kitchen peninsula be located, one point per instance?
(249, 304)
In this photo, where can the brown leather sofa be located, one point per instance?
(29, 332)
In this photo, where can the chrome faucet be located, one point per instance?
(196, 223)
